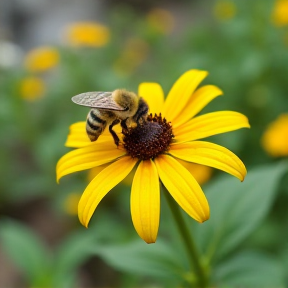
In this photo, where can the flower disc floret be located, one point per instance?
(149, 139)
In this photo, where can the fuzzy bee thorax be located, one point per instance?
(126, 99)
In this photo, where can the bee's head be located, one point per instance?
(128, 100)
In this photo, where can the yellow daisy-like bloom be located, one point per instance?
(70, 205)
(161, 20)
(155, 148)
(275, 138)
(134, 54)
(225, 10)
(90, 34)
(280, 13)
(201, 173)
(32, 88)
(41, 59)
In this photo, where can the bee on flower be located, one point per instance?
(156, 147)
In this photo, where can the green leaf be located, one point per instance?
(237, 209)
(284, 258)
(72, 252)
(81, 245)
(26, 250)
(249, 269)
(136, 257)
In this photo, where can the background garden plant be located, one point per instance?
(244, 243)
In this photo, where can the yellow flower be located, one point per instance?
(41, 59)
(161, 20)
(133, 54)
(275, 138)
(89, 34)
(201, 173)
(224, 10)
(32, 88)
(158, 144)
(71, 204)
(280, 13)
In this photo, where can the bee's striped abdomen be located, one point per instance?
(95, 124)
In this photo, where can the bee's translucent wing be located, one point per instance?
(101, 100)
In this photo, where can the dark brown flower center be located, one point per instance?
(149, 139)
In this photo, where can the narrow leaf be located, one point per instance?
(237, 208)
(156, 260)
(26, 250)
(250, 269)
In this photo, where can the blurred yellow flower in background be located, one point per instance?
(92, 173)
(154, 150)
(32, 88)
(201, 173)
(280, 13)
(225, 10)
(41, 59)
(89, 34)
(161, 20)
(134, 54)
(275, 138)
(70, 204)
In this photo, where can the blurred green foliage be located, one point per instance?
(245, 241)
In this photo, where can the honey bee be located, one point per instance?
(111, 108)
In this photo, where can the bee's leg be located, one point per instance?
(113, 133)
(124, 125)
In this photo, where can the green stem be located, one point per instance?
(188, 242)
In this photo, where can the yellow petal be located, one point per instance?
(78, 127)
(77, 141)
(78, 138)
(101, 185)
(183, 187)
(181, 92)
(210, 124)
(87, 157)
(153, 95)
(212, 155)
(197, 102)
(145, 201)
